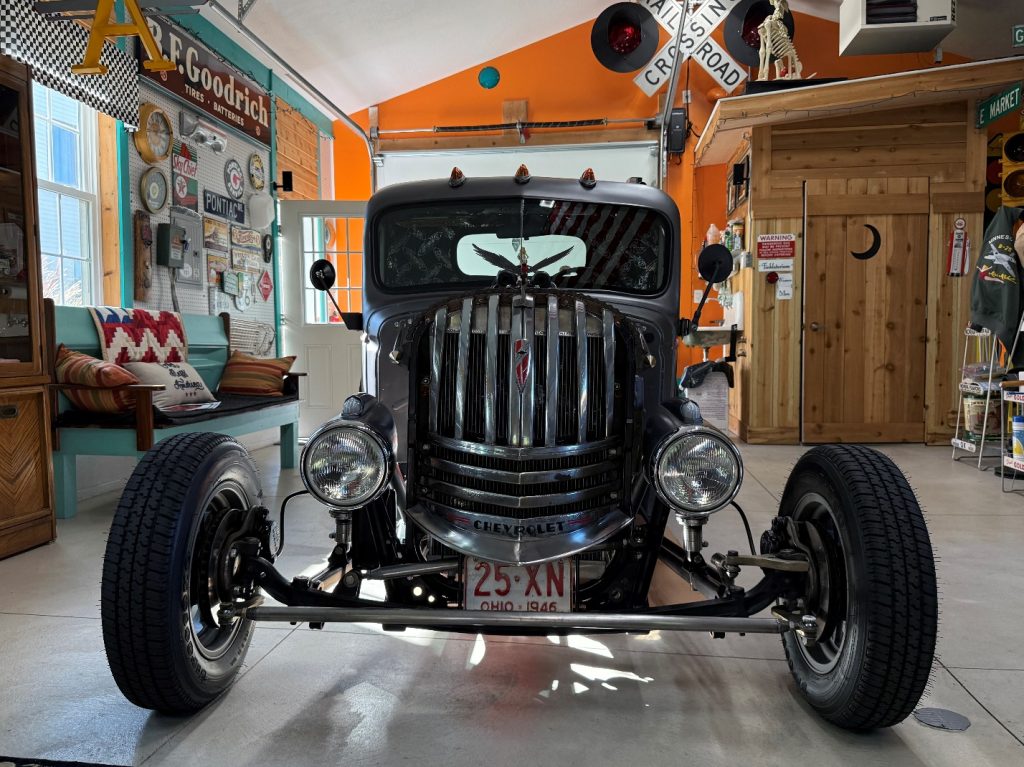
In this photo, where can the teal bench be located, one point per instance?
(76, 433)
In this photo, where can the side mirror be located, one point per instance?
(322, 275)
(714, 264)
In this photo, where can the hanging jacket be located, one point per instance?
(997, 295)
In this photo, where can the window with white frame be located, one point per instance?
(340, 241)
(66, 167)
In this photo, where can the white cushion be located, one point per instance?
(184, 385)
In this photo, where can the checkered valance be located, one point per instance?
(52, 47)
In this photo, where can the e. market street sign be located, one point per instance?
(999, 105)
(203, 80)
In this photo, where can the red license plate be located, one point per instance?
(547, 587)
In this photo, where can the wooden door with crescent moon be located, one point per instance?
(865, 313)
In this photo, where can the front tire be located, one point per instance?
(879, 600)
(165, 644)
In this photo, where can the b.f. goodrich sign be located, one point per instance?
(202, 79)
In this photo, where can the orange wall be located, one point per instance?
(563, 81)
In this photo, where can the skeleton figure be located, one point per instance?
(775, 41)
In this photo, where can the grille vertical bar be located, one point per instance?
(551, 384)
(462, 367)
(581, 368)
(608, 334)
(515, 409)
(436, 350)
(527, 393)
(491, 371)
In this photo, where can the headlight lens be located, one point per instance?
(345, 466)
(697, 471)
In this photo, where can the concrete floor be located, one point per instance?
(356, 696)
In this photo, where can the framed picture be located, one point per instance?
(216, 235)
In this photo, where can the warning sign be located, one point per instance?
(776, 246)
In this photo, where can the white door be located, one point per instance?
(311, 327)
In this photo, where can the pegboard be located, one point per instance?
(201, 298)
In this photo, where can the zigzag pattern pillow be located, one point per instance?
(138, 335)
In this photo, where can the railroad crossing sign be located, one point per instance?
(696, 41)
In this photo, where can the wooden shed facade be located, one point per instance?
(867, 349)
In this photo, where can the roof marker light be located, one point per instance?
(588, 180)
(522, 175)
(457, 179)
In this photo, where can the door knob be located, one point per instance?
(815, 327)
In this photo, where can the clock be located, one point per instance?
(234, 180)
(153, 190)
(257, 173)
(155, 137)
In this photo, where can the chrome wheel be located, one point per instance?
(210, 570)
(828, 594)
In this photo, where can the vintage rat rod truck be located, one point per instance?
(517, 464)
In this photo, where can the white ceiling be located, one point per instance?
(360, 52)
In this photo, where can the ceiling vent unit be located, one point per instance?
(868, 27)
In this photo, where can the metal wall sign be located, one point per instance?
(223, 207)
(202, 79)
(1018, 36)
(696, 41)
(999, 105)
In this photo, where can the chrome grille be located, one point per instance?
(497, 378)
(522, 411)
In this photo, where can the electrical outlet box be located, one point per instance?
(170, 246)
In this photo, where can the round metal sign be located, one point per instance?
(234, 179)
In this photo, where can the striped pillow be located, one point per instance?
(245, 374)
(81, 369)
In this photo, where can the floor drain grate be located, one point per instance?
(942, 719)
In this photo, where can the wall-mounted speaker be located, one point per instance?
(624, 37)
(678, 128)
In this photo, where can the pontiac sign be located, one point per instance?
(200, 78)
(223, 207)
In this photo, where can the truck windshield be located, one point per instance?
(587, 246)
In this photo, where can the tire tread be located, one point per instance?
(901, 598)
(137, 627)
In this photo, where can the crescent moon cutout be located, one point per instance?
(876, 245)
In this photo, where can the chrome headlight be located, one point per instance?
(345, 464)
(697, 470)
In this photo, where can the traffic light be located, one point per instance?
(624, 37)
(1013, 169)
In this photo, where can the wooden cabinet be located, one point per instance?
(26, 484)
